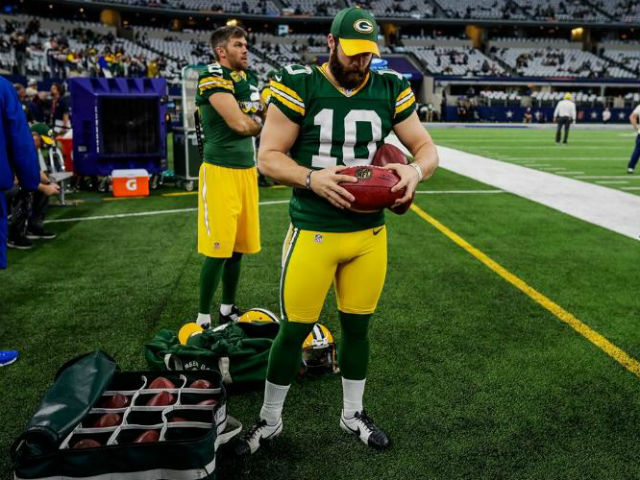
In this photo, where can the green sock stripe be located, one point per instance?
(285, 356)
(292, 244)
(353, 350)
(210, 275)
(231, 278)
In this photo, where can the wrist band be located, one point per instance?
(418, 169)
(308, 180)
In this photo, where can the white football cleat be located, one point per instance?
(256, 435)
(362, 426)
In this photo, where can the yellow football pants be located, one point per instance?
(228, 217)
(356, 263)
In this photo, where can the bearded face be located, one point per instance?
(350, 75)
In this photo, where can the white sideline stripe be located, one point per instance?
(144, 214)
(437, 192)
(609, 208)
(558, 158)
(565, 148)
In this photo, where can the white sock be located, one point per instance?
(225, 308)
(204, 319)
(274, 397)
(352, 393)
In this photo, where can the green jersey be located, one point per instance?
(337, 127)
(222, 145)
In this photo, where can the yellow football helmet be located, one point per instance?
(189, 330)
(258, 315)
(319, 349)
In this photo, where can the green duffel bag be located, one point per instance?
(239, 351)
(97, 422)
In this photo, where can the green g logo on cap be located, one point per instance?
(363, 26)
(356, 30)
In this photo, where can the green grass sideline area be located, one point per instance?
(470, 377)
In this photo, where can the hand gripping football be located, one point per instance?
(372, 191)
(385, 155)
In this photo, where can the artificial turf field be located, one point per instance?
(470, 377)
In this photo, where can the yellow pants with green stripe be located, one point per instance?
(228, 217)
(355, 262)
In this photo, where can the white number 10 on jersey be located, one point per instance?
(324, 119)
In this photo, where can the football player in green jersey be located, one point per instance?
(321, 120)
(229, 105)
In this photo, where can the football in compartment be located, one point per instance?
(108, 420)
(87, 443)
(161, 382)
(161, 399)
(149, 436)
(372, 191)
(385, 155)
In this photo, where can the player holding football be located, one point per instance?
(321, 120)
(228, 103)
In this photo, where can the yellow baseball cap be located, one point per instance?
(357, 31)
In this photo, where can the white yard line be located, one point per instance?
(604, 177)
(611, 182)
(145, 214)
(559, 159)
(466, 192)
(267, 202)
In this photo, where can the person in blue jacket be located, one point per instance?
(17, 160)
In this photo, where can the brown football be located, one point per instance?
(201, 384)
(372, 191)
(148, 436)
(108, 420)
(87, 443)
(160, 399)
(388, 153)
(209, 401)
(177, 419)
(385, 155)
(116, 401)
(161, 382)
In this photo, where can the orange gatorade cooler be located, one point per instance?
(130, 183)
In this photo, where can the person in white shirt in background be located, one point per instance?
(606, 115)
(633, 119)
(564, 115)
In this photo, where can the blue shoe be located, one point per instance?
(7, 357)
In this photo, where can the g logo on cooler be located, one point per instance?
(132, 184)
(363, 26)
